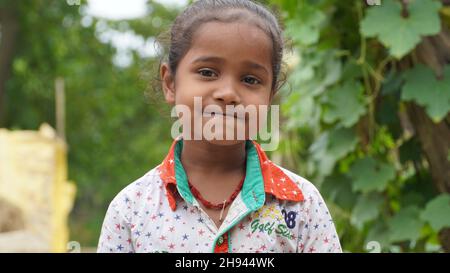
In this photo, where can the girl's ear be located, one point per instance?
(168, 83)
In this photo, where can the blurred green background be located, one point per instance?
(365, 110)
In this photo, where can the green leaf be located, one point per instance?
(437, 212)
(366, 209)
(302, 110)
(330, 146)
(318, 150)
(351, 70)
(304, 28)
(290, 7)
(337, 188)
(341, 141)
(370, 175)
(378, 232)
(423, 87)
(398, 33)
(405, 225)
(344, 103)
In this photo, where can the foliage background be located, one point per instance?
(365, 109)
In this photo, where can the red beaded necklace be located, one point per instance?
(219, 206)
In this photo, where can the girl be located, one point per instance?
(215, 195)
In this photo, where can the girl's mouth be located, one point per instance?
(213, 114)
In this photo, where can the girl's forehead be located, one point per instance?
(231, 41)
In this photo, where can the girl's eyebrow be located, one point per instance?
(202, 59)
(220, 60)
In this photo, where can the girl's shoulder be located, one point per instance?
(310, 192)
(138, 190)
(313, 208)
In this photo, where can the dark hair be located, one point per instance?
(203, 11)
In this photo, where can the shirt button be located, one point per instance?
(220, 241)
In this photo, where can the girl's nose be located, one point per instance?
(227, 94)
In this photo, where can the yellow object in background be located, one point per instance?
(33, 180)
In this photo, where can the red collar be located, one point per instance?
(276, 182)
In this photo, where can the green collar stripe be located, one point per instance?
(253, 193)
(180, 175)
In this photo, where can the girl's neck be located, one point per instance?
(202, 156)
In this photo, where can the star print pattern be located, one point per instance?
(145, 217)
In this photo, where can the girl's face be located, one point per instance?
(227, 64)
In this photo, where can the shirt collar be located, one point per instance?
(275, 181)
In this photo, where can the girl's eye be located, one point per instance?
(251, 80)
(207, 73)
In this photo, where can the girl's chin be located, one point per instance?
(225, 142)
